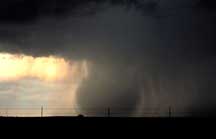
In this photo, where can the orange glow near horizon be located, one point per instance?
(66, 75)
(51, 68)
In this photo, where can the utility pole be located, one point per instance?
(108, 112)
(6, 112)
(42, 111)
(170, 112)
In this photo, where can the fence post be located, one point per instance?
(42, 111)
(170, 112)
(108, 112)
(6, 112)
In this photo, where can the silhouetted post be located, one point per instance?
(7, 112)
(42, 111)
(108, 112)
(170, 112)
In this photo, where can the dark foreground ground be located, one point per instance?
(107, 126)
(104, 123)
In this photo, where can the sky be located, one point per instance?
(129, 55)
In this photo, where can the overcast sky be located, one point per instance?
(140, 53)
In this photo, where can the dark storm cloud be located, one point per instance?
(28, 10)
(207, 4)
(18, 15)
(161, 50)
(194, 28)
